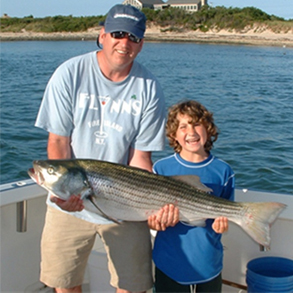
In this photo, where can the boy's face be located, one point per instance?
(192, 138)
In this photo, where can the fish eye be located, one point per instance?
(50, 170)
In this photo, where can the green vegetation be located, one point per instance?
(50, 24)
(217, 18)
(171, 19)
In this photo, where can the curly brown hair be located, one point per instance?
(198, 114)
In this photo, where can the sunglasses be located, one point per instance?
(122, 35)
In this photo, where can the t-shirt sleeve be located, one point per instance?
(55, 114)
(151, 134)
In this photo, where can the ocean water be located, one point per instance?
(249, 90)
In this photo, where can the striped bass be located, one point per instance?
(126, 193)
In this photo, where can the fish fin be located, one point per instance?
(86, 193)
(90, 198)
(198, 223)
(258, 218)
(191, 220)
(194, 181)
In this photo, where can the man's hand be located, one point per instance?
(220, 225)
(73, 204)
(166, 217)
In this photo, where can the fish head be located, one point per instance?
(62, 178)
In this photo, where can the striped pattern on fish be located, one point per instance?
(131, 194)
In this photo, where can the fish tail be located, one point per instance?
(258, 218)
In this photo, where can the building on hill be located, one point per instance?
(5, 15)
(187, 5)
(143, 3)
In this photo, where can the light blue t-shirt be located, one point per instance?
(188, 254)
(103, 118)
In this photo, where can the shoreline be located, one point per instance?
(256, 37)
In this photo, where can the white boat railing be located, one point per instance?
(20, 190)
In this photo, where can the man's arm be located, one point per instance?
(140, 159)
(59, 148)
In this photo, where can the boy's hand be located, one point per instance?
(166, 217)
(220, 225)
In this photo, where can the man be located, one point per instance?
(102, 105)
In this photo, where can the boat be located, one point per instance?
(23, 207)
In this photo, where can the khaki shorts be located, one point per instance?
(67, 242)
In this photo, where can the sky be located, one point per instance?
(41, 8)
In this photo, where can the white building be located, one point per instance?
(187, 5)
(143, 3)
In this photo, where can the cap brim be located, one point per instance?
(129, 28)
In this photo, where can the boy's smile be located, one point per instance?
(192, 140)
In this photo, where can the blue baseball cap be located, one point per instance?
(125, 18)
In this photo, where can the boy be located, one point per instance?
(186, 255)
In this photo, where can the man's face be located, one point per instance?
(119, 52)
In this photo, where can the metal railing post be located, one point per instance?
(21, 216)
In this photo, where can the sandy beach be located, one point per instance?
(253, 36)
